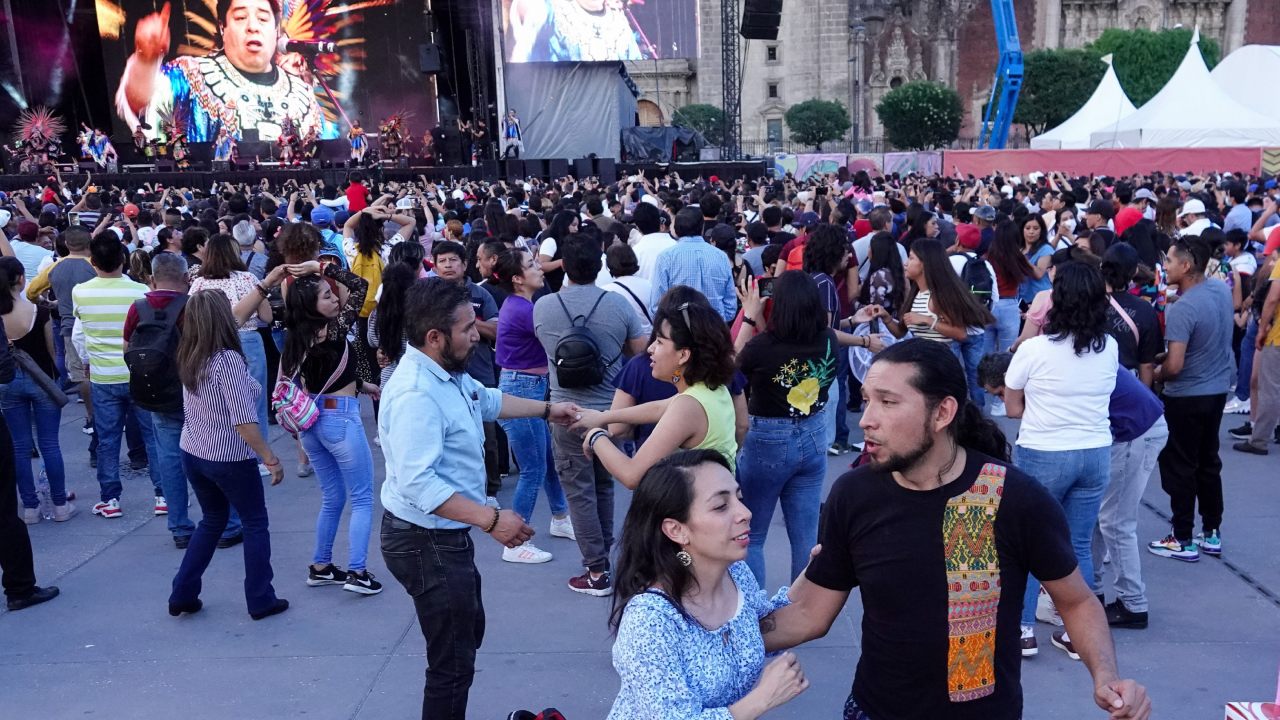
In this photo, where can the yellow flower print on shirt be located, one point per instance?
(805, 380)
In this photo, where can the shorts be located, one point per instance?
(75, 366)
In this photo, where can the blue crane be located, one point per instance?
(1008, 79)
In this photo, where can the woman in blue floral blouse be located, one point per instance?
(686, 608)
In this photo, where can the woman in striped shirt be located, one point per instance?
(220, 439)
(938, 307)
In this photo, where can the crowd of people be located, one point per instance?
(703, 344)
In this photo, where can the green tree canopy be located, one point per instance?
(921, 115)
(1145, 59)
(814, 122)
(706, 119)
(1056, 83)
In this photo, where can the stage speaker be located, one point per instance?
(88, 166)
(249, 135)
(761, 19)
(514, 169)
(582, 168)
(489, 169)
(429, 58)
(607, 170)
(557, 168)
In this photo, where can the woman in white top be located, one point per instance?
(1060, 384)
(623, 266)
(223, 270)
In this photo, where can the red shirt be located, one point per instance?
(158, 299)
(357, 197)
(1126, 218)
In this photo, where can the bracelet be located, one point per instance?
(546, 412)
(272, 464)
(262, 289)
(496, 514)
(749, 321)
(596, 435)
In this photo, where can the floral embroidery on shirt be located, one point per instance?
(805, 380)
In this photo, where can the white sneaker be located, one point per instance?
(377, 440)
(1046, 611)
(1236, 406)
(562, 527)
(998, 409)
(526, 553)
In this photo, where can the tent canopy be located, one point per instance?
(1108, 105)
(1191, 110)
(1246, 75)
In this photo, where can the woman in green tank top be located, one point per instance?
(692, 350)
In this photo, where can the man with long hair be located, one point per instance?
(940, 531)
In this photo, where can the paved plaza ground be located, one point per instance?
(107, 648)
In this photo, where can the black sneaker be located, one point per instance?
(362, 583)
(138, 464)
(181, 541)
(1244, 432)
(230, 541)
(1119, 616)
(328, 575)
(93, 460)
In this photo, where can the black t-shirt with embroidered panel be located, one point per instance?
(941, 574)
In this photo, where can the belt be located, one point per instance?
(400, 523)
(336, 402)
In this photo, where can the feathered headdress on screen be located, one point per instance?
(38, 124)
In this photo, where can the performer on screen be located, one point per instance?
(359, 143)
(511, 135)
(245, 84)
(578, 30)
(288, 141)
(224, 146)
(104, 153)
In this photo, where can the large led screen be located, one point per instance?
(599, 30)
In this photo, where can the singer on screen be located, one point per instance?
(571, 30)
(248, 82)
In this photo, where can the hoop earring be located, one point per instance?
(685, 558)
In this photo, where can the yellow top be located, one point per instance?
(721, 421)
(1273, 337)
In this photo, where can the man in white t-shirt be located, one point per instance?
(648, 220)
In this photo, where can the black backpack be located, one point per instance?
(152, 357)
(577, 357)
(974, 276)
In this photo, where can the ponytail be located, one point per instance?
(975, 431)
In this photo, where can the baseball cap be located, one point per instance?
(806, 220)
(27, 231)
(1100, 207)
(5, 217)
(131, 210)
(1124, 257)
(321, 216)
(404, 203)
(50, 208)
(714, 179)
(969, 236)
(1144, 194)
(1191, 207)
(985, 212)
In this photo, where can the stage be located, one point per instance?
(491, 171)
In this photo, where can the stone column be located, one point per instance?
(1233, 33)
(1051, 22)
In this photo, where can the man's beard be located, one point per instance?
(902, 462)
(451, 362)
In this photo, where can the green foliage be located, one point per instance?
(814, 122)
(1056, 83)
(921, 115)
(706, 119)
(1145, 60)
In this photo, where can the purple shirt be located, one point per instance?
(518, 347)
(227, 396)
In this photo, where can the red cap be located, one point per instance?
(969, 236)
(715, 179)
(131, 210)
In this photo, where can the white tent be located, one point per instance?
(1191, 110)
(1247, 74)
(1105, 107)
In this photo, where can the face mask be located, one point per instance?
(1069, 224)
(1149, 213)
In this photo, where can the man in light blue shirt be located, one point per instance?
(1239, 216)
(698, 264)
(432, 428)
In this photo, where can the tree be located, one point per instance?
(706, 119)
(814, 122)
(921, 115)
(1055, 84)
(1145, 60)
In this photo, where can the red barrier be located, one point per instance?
(1116, 163)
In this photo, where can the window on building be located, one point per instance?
(771, 53)
(773, 91)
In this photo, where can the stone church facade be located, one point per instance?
(855, 51)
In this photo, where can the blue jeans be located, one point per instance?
(255, 356)
(531, 442)
(111, 405)
(1246, 358)
(59, 351)
(1077, 479)
(339, 452)
(167, 428)
(969, 353)
(23, 402)
(783, 460)
(1008, 321)
(829, 414)
(221, 486)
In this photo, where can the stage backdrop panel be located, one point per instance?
(177, 57)
(570, 111)
(1113, 162)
